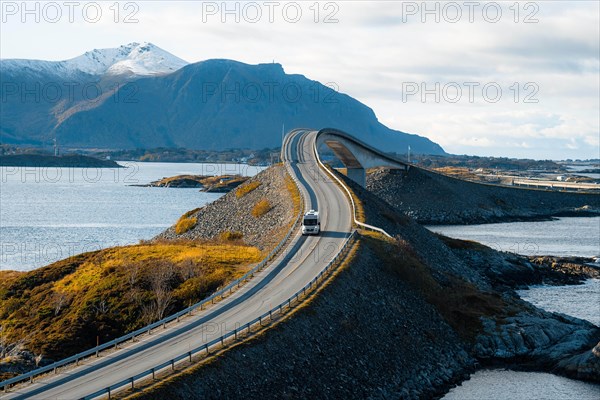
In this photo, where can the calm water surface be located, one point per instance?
(48, 214)
(512, 385)
(578, 236)
(565, 236)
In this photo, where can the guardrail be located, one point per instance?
(235, 334)
(343, 185)
(148, 329)
(229, 288)
(556, 184)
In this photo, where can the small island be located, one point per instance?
(44, 160)
(212, 184)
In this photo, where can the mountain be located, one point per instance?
(213, 105)
(140, 59)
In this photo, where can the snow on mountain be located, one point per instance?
(140, 59)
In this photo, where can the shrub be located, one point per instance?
(184, 225)
(245, 189)
(229, 235)
(261, 208)
(191, 212)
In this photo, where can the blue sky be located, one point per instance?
(488, 79)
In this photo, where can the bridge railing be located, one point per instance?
(221, 293)
(345, 187)
(235, 334)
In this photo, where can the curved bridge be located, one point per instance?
(356, 155)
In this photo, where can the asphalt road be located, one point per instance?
(304, 258)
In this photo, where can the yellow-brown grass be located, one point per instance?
(459, 172)
(247, 188)
(185, 224)
(231, 235)
(261, 208)
(294, 193)
(60, 309)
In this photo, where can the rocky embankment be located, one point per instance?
(435, 199)
(512, 332)
(232, 214)
(406, 318)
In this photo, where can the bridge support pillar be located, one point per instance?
(358, 175)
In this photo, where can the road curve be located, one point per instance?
(302, 261)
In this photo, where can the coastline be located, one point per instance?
(47, 161)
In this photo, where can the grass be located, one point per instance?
(459, 172)
(191, 212)
(261, 208)
(243, 190)
(63, 308)
(294, 193)
(460, 303)
(185, 224)
(231, 235)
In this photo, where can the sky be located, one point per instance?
(514, 79)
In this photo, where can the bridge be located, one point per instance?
(293, 270)
(356, 155)
(556, 185)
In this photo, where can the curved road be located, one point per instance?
(303, 259)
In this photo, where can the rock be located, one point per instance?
(584, 366)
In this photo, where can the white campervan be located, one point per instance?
(311, 223)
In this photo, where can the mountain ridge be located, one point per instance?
(214, 104)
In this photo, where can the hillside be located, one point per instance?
(433, 198)
(233, 214)
(405, 317)
(73, 304)
(55, 90)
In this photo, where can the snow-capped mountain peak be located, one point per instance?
(133, 58)
(139, 59)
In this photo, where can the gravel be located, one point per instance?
(233, 214)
